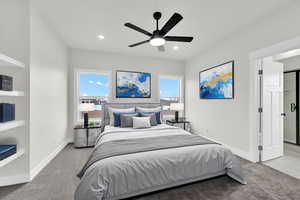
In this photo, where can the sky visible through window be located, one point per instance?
(93, 85)
(169, 87)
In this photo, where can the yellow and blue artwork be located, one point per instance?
(217, 82)
(133, 84)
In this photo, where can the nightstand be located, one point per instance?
(86, 136)
(173, 122)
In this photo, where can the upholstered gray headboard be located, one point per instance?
(105, 115)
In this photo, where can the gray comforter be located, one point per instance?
(127, 162)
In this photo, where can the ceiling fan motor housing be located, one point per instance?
(157, 15)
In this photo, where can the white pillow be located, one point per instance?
(141, 109)
(141, 122)
(120, 110)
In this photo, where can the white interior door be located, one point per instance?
(272, 120)
(290, 107)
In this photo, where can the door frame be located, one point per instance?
(297, 71)
(255, 58)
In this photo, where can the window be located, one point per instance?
(93, 90)
(170, 92)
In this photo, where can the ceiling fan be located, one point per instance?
(158, 38)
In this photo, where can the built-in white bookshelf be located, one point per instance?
(11, 66)
(10, 125)
(11, 93)
(19, 153)
(6, 61)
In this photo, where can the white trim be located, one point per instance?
(13, 180)
(254, 57)
(236, 151)
(37, 169)
(276, 49)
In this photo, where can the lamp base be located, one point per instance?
(86, 120)
(176, 116)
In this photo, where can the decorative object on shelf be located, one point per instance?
(85, 108)
(177, 107)
(7, 112)
(6, 83)
(7, 151)
(133, 84)
(86, 136)
(217, 82)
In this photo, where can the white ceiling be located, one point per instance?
(208, 21)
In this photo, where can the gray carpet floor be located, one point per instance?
(58, 182)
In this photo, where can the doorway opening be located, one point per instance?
(280, 118)
(291, 106)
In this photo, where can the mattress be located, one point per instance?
(133, 174)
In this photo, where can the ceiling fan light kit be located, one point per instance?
(158, 41)
(158, 38)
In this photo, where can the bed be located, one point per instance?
(128, 162)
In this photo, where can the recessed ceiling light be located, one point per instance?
(175, 48)
(100, 37)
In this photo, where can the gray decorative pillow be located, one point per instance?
(119, 110)
(142, 109)
(152, 116)
(126, 119)
(141, 122)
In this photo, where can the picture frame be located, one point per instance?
(132, 84)
(217, 82)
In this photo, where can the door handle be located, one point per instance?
(293, 107)
(283, 114)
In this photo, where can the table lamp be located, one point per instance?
(85, 108)
(177, 107)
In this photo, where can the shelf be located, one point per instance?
(12, 93)
(6, 61)
(12, 158)
(10, 125)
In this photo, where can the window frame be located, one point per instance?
(181, 86)
(77, 73)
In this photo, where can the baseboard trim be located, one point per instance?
(13, 180)
(243, 154)
(36, 170)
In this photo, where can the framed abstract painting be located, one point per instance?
(217, 82)
(133, 84)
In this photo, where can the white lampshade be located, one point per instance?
(86, 107)
(177, 106)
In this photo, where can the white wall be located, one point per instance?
(292, 63)
(48, 93)
(227, 121)
(103, 61)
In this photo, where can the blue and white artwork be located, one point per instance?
(133, 85)
(217, 82)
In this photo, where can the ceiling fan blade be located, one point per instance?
(139, 43)
(136, 28)
(179, 38)
(171, 23)
(161, 48)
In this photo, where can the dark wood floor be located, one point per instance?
(58, 182)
